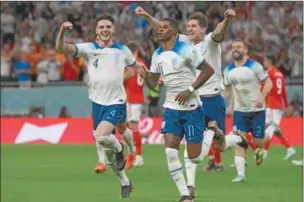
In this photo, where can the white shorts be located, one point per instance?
(274, 115)
(134, 112)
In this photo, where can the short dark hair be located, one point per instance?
(271, 58)
(133, 47)
(173, 23)
(243, 41)
(106, 17)
(201, 18)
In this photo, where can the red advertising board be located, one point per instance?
(79, 130)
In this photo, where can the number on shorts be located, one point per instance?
(140, 81)
(279, 85)
(96, 63)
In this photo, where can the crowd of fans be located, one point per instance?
(28, 32)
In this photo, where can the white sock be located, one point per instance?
(190, 169)
(128, 137)
(110, 142)
(100, 152)
(110, 156)
(232, 140)
(176, 170)
(270, 131)
(240, 165)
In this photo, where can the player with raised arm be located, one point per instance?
(242, 79)
(134, 86)
(106, 62)
(177, 62)
(276, 102)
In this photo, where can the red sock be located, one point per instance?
(284, 141)
(267, 145)
(137, 142)
(251, 142)
(217, 157)
(211, 151)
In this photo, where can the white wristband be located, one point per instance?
(191, 89)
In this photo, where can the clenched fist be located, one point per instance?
(141, 12)
(67, 25)
(229, 14)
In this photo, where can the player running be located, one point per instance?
(276, 102)
(134, 86)
(244, 77)
(106, 61)
(177, 61)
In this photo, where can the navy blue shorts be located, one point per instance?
(253, 122)
(188, 123)
(214, 109)
(114, 114)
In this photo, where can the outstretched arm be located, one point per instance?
(151, 20)
(218, 33)
(60, 45)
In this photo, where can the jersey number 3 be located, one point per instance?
(95, 64)
(279, 85)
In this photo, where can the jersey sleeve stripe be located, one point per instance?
(132, 64)
(200, 66)
(264, 79)
(76, 52)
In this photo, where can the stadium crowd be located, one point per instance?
(28, 31)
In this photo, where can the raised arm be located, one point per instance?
(151, 20)
(218, 33)
(61, 46)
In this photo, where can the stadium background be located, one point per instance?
(56, 93)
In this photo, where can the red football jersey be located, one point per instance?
(135, 88)
(277, 97)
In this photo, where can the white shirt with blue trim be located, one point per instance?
(212, 52)
(106, 70)
(178, 69)
(245, 81)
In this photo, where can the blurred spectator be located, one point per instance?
(42, 70)
(284, 63)
(64, 113)
(54, 67)
(71, 69)
(22, 70)
(7, 24)
(295, 106)
(6, 63)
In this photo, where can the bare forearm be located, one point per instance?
(220, 29)
(64, 47)
(206, 72)
(267, 88)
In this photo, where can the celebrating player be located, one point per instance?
(176, 61)
(244, 77)
(134, 86)
(276, 102)
(106, 61)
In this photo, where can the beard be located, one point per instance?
(237, 55)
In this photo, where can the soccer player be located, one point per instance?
(177, 61)
(276, 102)
(106, 61)
(242, 81)
(134, 86)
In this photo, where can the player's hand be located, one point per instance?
(259, 103)
(141, 12)
(143, 72)
(184, 96)
(67, 26)
(229, 14)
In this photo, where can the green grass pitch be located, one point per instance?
(64, 173)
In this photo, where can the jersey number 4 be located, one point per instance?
(95, 64)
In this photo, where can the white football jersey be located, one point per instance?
(245, 81)
(106, 70)
(178, 69)
(212, 53)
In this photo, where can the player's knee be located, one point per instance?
(197, 159)
(104, 140)
(122, 128)
(172, 154)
